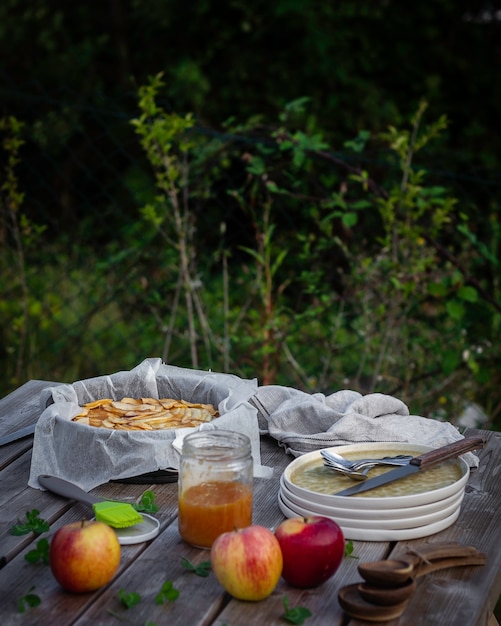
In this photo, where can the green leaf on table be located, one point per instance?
(147, 503)
(33, 524)
(28, 601)
(40, 553)
(167, 593)
(202, 569)
(129, 598)
(297, 615)
(348, 550)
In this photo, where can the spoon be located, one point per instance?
(349, 472)
(401, 459)
(415, 564)
(358, 469)
(378, 600)
(355, 605)
(387, 596)
(337, 459)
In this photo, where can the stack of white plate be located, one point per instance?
(369, 518)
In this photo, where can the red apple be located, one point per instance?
(312, 549)
(247, 562)
(84, 555)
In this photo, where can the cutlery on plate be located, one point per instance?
(417, 464)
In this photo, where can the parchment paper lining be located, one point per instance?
(90, 456)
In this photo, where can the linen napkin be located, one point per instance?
(303, 422)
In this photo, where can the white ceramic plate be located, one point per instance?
(370, 514)
(368, 534)
(358, 503)
(414, 521)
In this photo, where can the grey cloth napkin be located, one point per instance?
(303, 422)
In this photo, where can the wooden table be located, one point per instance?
(465, 596)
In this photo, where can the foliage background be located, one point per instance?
(369, 294)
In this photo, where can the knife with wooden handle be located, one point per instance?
(417, 464)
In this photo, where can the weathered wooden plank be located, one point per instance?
(20, 408)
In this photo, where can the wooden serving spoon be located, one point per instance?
(424, 560)
(387, 596)
(389, 584)
(352, 603)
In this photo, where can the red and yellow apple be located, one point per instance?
(312, 549)
(247, 562)
(84, 555)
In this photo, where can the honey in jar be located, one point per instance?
(215, 485)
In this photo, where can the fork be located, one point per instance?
(359, 469)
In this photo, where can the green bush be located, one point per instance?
(340, 275)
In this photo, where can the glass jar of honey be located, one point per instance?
(215, 485)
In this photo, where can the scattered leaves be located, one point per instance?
(297, 615)
(28, 601)
(147, 503)
(202, 569)
(167, 593)
(40, 553)
(33, 524)
(129, 598)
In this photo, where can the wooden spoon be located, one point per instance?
(387, 596)
(388, 573)
(424, 560)
(392, 582)
(352, 603)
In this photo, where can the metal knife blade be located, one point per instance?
(17, 434)
(417, 464)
